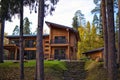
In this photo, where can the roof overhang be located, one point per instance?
(93, 51)
(24, 36)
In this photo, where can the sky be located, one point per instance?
(63, 14)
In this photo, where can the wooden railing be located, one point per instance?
(59, 41)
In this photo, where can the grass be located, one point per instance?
(8, 63)
(32, 63)
(53, 70)
(56, 65)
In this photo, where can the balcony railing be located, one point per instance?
(59, 41)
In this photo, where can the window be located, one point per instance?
(14, 42)
(29, 43)
(59, 53)
(60, 39)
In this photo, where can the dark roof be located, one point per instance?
(50, 24)
(95, 50)
(24, 36)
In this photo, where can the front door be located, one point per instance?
(59, 54)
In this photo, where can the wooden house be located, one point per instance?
(60, 43)
(95, 54)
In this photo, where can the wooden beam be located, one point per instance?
(30, 49)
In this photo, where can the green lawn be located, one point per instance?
(31, 63)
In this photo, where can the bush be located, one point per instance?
(84, 58)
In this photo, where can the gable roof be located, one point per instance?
(95, 50)
(50, 24)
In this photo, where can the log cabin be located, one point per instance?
(95, 54)
(60, 43)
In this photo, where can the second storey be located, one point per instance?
(62, 35)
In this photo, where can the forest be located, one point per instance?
(103, 32)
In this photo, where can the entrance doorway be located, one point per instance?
(59, 54)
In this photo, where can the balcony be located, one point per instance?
(59, 42)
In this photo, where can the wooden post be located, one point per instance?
(9, 54)
(68, 40)
(9, 41)
(74, 52)
(49, 52)
(15, 53)
(69, 53)
(50, 44)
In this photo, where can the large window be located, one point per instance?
(14, 42)
(60, 39)
(29, 43)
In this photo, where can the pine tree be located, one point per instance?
(26, 24)
(39, 52)
(16, 30)
(104, 24)
(75, 23)
(119, 33)
(112, 65)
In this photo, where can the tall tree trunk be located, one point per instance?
(39, 53)
(104, 24)
(35, 72)
(112, 64)
(119, 33)
(21, 42)
(2, 25)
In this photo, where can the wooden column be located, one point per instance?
(9, 41)
(74, 52)
(9, 54)
(15, 54)
(24, 43)
(68, 40)
(50, 44)
(49, 52)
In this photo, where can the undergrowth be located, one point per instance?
(53, 70)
